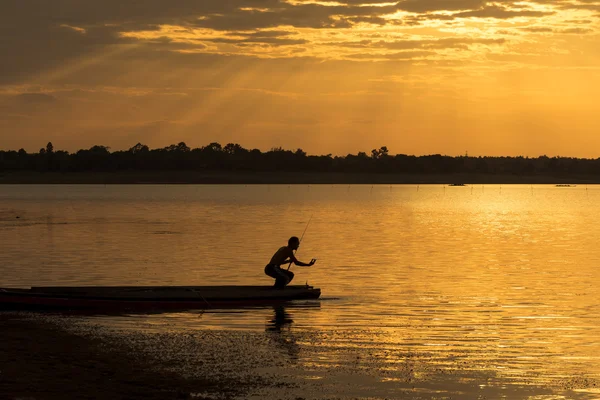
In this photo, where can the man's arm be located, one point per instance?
(301, 264)
(291, 258)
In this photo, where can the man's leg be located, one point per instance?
(281, 281)
(290, 275)
(275, 273)
(281, 278)
(285, 277)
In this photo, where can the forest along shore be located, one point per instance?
(239, 177)
(42, 361)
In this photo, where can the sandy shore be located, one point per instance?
(42, 361)
(71, 357)
(223, 177)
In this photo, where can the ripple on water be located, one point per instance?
(435, 293)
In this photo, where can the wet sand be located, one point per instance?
(74, 357)
(43, 361)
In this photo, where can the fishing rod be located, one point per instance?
(301, 237)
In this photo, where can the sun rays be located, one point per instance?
(420, 76)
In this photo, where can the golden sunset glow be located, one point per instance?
(419, 76)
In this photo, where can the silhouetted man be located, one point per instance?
(282, 256)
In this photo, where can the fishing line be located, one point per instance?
(301, 237)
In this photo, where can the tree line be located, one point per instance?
(234, 157)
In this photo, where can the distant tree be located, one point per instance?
(182, 147)
(234, 148)
(300, 153)
(214, 146)
(235, 157)
(100, 149)
(139, 148)
(379, 153)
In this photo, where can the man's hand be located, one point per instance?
(312, 262)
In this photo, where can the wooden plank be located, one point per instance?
(170, 293)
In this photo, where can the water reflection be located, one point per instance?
(281, 333)
(281, 318)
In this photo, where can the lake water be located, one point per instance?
(431, 291)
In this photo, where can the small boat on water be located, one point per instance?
(151, 297)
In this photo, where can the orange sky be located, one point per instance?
(419, 76)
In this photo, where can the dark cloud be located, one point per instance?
(436, 44)
(576, 31)
(25, 105)
(262, 34)
(167, 43)
(501, 13)
(356, 44)
(77, 12)
(460, 42)
(369, 20)
(447, 43)
(103, 20)
(567, 31)
(538, 29)
(401, 55)
(261, 40)
(35, 98)
(37, 36)
(581, 5)
(31, 47)
(301, 16)
(41, 35)
(424, 6)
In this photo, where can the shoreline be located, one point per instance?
(43, 358)
(251, 178)
(43, 361)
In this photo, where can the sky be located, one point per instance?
(453, 77)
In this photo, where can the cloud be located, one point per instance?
(576, 31)
(500, 13)
(581, 5)
(35, 98)
(261, 40)
(425, 6)
(401, 55)
(568, 31)
(538, 29)
(74, 41)
(447, 43)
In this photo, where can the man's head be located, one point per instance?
(293, 243)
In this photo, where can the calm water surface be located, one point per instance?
(428, 291)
